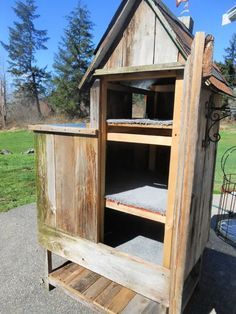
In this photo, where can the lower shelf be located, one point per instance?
(99, 293)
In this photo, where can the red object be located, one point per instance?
(179, 1)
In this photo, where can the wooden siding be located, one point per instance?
(67, 168)
(144, 42)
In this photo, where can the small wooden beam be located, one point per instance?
(140, 139)
(163, 88)
(135, 211)
(129, 89)
(62, 129)
(141, 69)
(48, 269)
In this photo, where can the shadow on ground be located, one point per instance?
(216, 292)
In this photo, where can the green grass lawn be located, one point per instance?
(228, 139)
(17, 176)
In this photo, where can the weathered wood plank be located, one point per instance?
(94, 105)
(85, 281)
(102, 157)
(137, 305)
(41, 184)
(108, 294)
(139, 35)
(163, 88)
(51, 180)
(131, 272)
(173, 171)
(141, 139)
(65, 192)
(186, 164)
(73, 273)
(75, 294)
(142, 69)
(135, 211)
(62, 129)
(119, 302)
(165, 49)
(96, 289)
(85, 184)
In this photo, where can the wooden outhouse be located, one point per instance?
(127, 198)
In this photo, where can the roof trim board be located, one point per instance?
(108, 40)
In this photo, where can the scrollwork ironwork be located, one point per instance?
(213, 115)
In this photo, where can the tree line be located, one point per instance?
(74, 54)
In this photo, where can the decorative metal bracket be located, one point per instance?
(213, 115)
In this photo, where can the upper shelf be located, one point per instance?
(77, 128)
(143, 131)
(142, 123)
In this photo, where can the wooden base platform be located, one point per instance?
(99, 293)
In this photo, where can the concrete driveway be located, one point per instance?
(22, 270)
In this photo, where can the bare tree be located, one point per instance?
(3, 101)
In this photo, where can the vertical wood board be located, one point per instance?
(51, 180)
(165, 49)
(65, 183)
(172, 180)
(94, 104)
(186, 166)
(86, 185)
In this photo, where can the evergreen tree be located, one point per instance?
(228, 68)
(24, 41)
(72, 60)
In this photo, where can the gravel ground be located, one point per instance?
(22, 270)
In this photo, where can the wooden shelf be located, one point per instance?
(139, 138)
(100, 293)
(139, 125)
(140, 212)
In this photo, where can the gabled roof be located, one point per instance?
(177, 31)
(175, 28)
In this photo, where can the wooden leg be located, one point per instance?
(48, 270)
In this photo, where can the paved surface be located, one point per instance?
(22, 270)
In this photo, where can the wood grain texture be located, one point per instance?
(61, 129)
(135, 211)
(138, 138)
(200, 215)
(104, 296)
(94, 104)
(160, 69)
(67, 168)
(139, 35)
(173, 170)
(65, 183)
(186, 166)
(165, 49)
(144, 30)
(85, 175)
(51, 180)
(131, 272)
(45, 211)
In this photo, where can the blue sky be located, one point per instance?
(207, 16)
